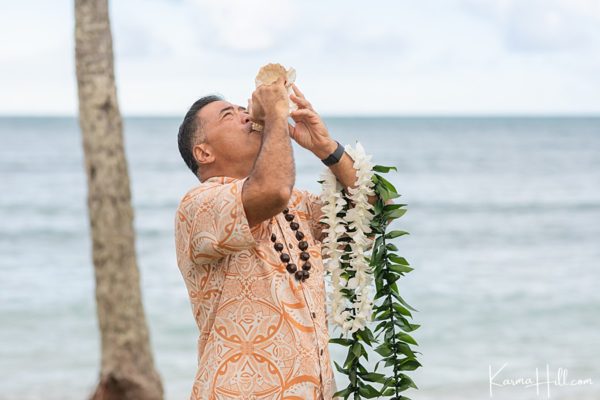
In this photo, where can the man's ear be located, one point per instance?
(203, 154)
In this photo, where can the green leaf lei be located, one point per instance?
(390, 310)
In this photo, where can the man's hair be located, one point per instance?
(188, 130)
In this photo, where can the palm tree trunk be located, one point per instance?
(127, 367)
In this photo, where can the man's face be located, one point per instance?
(229, 137)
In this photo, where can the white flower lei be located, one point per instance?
(357, 220)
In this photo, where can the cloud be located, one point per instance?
(246, 26)
(492, 56)
(542, 25)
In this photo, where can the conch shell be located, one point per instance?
(267, 75)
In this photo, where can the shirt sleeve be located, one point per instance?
(220, 226)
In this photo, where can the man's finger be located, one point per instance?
(297, 91)
(300, 101)
(303, 113)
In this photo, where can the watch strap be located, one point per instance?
(335, 156)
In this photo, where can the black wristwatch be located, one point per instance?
(335, 156)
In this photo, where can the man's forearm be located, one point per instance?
(274, 166)
(269, 186)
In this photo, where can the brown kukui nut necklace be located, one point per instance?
(299, 274)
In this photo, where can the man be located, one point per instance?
(249, 248)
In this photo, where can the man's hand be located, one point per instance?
(269, 101)
(310, 132)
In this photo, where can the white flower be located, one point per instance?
(355, 223)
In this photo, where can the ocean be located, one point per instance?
(504, 222)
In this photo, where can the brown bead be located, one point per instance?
(278, 246)
(304, 256)
(303, 245)
(306, 266)
(299, 235)
(284, 257)
(299, 274)
(291, 268)
(305, 275)
(273, 237)
(286, 210)
(294, 226)
(289, 217)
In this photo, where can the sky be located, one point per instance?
(400, 57)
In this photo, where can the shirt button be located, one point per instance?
(314, 315)
(321, 351)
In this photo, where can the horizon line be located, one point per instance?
(366, 116)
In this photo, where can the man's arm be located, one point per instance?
(311, 133)
(268, 188)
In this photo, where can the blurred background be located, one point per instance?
(489, 109)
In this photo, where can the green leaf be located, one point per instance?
(349, 359)
(374, 377)
(387, 302)
(402, 310)
(353, 377)
(391, 247)
(384, 193)
(395, 234)
(366, 335)
(406, 326)
(342, 341)
(376, 257)
(340, 369)
(401, 300)
(378, 207)
(390, 361)
(405, 377)
(384, 350)
(394, 214)
(343, 393)
(357, 349)
(380, 325)
(383, 168)
(391, 277)
(406, 338)
(381, 292)
(398, 259)
(399, 268)
(404, 349)
(393, 206)
(393, 287)
(409, 364)
(383, 316)
(368, 391)
(361, 370)
(387, 184)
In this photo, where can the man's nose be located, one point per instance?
(245, 117)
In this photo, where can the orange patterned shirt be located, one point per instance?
(262, 333)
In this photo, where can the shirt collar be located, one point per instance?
(221, 179)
